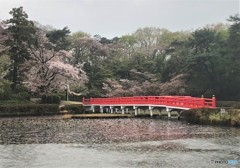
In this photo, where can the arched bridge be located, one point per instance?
(136, 102)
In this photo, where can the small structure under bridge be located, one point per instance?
(170, 103)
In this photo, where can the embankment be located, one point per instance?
(29, 110)
(229, 117)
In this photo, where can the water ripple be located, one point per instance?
(98, 131)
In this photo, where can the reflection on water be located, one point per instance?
(48, 142)
(47, 130)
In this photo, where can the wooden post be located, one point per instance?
(111, 109)
(202, 102)
(169, 113)
(93, 109)
(151, 111)
(101, 109)
(122, 107)
(213, 102)
(135, 110)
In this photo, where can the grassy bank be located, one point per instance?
(230, 117)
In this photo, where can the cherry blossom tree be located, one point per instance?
(144, 84)
(4, 59)
(87, 49)
(139, 84)
(176, 86)
(50, 70)
(3, 37)
(4, 66)
(125, 87)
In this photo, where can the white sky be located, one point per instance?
(110, 18)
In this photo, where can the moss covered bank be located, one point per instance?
(229, 117)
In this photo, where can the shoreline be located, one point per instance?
(213, 117)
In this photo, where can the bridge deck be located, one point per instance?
(180, 102)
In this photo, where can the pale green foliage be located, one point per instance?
(75, 36)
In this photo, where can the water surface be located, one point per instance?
(50, 142)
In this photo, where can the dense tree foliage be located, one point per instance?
(150, 61)
(21, 33)
(59, 38)
(50, 70)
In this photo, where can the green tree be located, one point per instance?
(128, 42)
(79, 47)
(202, 40)
(199, 57)
(231, 79)
(147, 39)
(3, 37)
(21, 33)
(173, 61)
(200, 65)
(97, 75)
(234, 36)
(92, 53)
(59, 38)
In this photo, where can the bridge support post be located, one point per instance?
(178, 115)
(101, 109)
(93, 109)
(151, 111)
(135, 110)
(122, 107)
(111, 109)
(139, 110)
(169, 113)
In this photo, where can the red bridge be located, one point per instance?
(136, 102)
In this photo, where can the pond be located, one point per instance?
(52, 142)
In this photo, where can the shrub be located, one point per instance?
(7, 94)
(24, 95)
(220, 119)
(5, 91)
(198, 116)
(235, 117)
(14, 102)
(230, 104)
(74, 109)
(61, 95)
(29, 109)
(235, 120)
(192, 116)
(214, 117)
(52, 99)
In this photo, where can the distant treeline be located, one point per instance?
(39, 60)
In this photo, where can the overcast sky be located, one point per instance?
(110, 18)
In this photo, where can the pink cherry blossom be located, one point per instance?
(50, 70)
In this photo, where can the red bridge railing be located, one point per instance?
(175, 101)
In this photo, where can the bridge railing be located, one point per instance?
(177, 101)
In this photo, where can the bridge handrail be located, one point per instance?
(179, 101)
